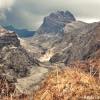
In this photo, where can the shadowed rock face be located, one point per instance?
(14, 59)
(8, 38)
(55, 22)
(79, 44)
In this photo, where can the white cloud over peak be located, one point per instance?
(5, 5)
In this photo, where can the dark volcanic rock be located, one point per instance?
(55, 22)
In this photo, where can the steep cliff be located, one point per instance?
(55, 22)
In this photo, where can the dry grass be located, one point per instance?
(6, 87)
(71, 83)
(89, 66)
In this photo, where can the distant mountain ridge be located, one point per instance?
(20, 32)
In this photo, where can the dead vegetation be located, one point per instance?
(69, 84)
(77, 81)
(91, 67)
(6, 87)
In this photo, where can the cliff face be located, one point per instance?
(77, 41)
(14, 59)
(8, 38)
(78, 44)
(55, 22)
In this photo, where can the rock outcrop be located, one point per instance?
(78, 44)
(55, 22)
(14, 59)
(8, 38)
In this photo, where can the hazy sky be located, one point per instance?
(30, 13)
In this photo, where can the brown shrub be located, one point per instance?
(68, 84)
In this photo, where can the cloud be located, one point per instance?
(5, 5)
(24, 19)
(30, 13)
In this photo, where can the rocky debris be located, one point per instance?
(7, 86)
(8, 38)
(41, 45)
(14, 59)
(78, 44)
(55, 22)
(90, 66)
(46, 57)
(19, 66)
(96, 54)
(32, 82)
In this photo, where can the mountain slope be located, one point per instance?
(77, 41)
(14, 59)
(55, 22)
(67, 54)
(78, 44)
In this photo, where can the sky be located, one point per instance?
(30, 13)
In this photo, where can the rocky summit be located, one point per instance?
(55, 22)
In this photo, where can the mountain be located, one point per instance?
(8, 38)
(55, 22)
(14, 59)
(78, 44)
(20, 32)
(21, 70)
(77, 41)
